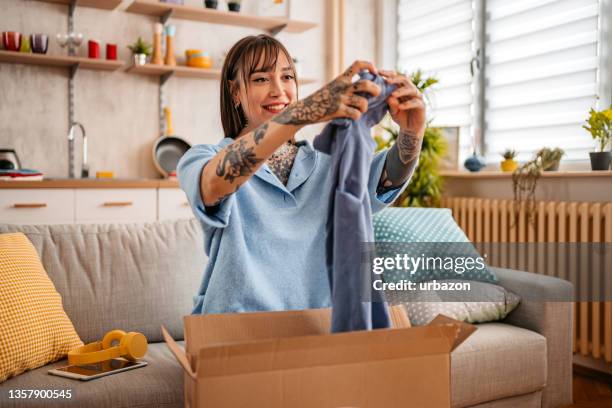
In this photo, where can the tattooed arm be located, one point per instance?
(401, 160)
(238, 161)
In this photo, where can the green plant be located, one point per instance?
(599, 125)
(425, 187)
(509, 154)
(140, 47)
(550, 158)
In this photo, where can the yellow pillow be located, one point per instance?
(34, 328)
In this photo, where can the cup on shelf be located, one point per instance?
(39, 43)
(93, 49)
(11, 40)
(111, 52)
(198, 59)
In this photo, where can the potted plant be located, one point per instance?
(140, 50)
(550, 158)
(509, 164)
(211, 4)
(233, 5)
(599, 125)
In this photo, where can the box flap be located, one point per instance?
(178, 353)
(465, 329)
(324, 350)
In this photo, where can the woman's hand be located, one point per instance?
(337, 99)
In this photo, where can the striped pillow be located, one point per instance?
(426, 232)
(34, 329)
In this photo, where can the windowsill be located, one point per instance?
(502, 175)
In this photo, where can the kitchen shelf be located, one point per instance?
(59, 61)
(99, 4)
(214, 16)
(183, 71)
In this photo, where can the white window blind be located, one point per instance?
(436, 37)
(541, 76)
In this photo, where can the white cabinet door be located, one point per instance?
(172, 204)
(37, 206)
(108, 205)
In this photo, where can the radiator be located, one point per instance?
(490, 221)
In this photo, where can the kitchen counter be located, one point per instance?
(92, 183)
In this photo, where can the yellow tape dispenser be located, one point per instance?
(132, 346)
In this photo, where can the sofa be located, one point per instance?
(137, 277)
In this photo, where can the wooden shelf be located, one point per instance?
(59, 61)
(183, 71)
(487, 174)
(151, 8)
(99, 4)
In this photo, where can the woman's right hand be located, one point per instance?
(337, 99)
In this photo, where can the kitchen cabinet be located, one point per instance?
(36, 206)
(172, 204)
(115, 205)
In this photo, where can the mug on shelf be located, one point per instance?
(111, 51)
(39, 43)
(11, 40)
(93, 48)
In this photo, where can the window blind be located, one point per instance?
(541, 76)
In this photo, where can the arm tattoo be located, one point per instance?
(260, 132)
(317, 106)
(238, 161)
(401, 161)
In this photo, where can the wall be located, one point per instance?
(119, 110)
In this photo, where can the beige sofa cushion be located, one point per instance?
(497, 361)
(133, 277)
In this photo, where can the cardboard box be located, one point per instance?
(289, 359)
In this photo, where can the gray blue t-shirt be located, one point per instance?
(266, 242)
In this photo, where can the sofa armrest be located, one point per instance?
(546, 308)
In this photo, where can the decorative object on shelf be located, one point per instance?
(425, 187)
(474, 163)
(158, 30)
(93, 49)
(140, 51)
(25, 45)
(509, 164)
(273, 8)
(599, 125)
(550, 158)
(170, 32)
(11, 40)
(71, 40)
(211, 4)
(198, 59)
(111, 52)
(39, 43)
(233, 5)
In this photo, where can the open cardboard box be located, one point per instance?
(289, 359)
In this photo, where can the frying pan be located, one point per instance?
(168, 149)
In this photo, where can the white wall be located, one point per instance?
(119, 110)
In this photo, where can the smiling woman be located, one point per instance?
(262, 198)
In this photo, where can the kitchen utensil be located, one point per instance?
(11, 40)
(93, 48)
(168, 149)
(9, 160)
(39, 43)
(157, 59)
(170, 31)
(111, 52)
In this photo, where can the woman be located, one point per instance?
(262, 198)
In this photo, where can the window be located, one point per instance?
(541, 71)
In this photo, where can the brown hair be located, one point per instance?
(242, 60)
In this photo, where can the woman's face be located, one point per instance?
(268, 93)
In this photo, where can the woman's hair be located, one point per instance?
(242, 60)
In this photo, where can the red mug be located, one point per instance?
(93, 49)
(111, 51)
(11, 40)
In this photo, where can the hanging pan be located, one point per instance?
(168, 149)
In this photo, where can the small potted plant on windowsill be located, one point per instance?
(234, 5)
(550, 158)
(140, 50)
(599, 125)
(509, 164)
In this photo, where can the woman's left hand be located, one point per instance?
(406, 104)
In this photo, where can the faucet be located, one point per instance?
(85, 166)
